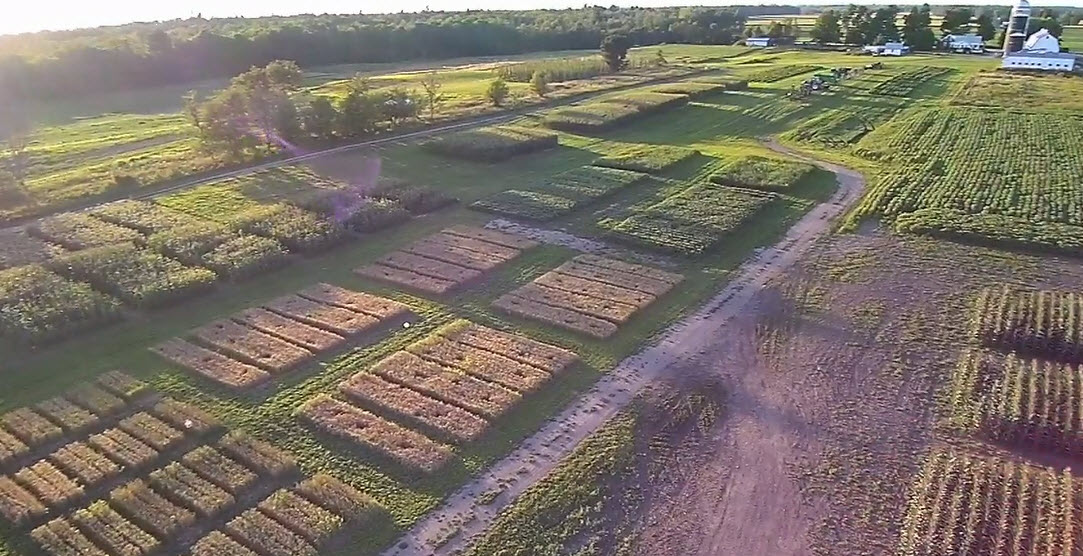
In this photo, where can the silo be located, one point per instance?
(1016, 34)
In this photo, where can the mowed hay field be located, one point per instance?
(312, 378)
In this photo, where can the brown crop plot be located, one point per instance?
(150, 510)
(473, 394)
(211, 365)
(30, 427)
(61, 538)
(11, 447)
(546, 357)
(85, 464)
(220, 470)
(186, 487)
(358, 302)
(18, 505)
(398, 443)
(266, 536)
(449, 260)
(335, 319)
(113, 532)
(309, 337)
(420, 410)
(282, 335)
(49, 484)
(252, 346)
(151, 431)
(123, 448)
(344, 500)
(301, 516)
(260, 456)
(69, 416)
(589, 294)
(483, 364)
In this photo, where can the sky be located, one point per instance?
(20, 16)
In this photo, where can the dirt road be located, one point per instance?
(466, 514)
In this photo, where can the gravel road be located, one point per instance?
(465, 514)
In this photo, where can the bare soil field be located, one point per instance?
(832, 381)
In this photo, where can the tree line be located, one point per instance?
(194, 50)
(863, 25)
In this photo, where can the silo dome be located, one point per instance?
(1021, 8)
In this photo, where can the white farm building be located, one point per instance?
(1040, 52)
(970, 43)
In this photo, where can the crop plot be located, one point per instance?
(137, 276)
(400, 444)
(1039, 323)
(611, 112)
(228, 253)
(691, 221)
(447, 261)
(971, 504)
(140, 488)
(652, 159)
(76, 230)
(452, 385)
(1032, 403)
(582, 295)
(299, 230)
(1009, 182)
(493, 144)
(845, 126)
(142, 216)
(757, 172)
(698, 87)
(19, 248)
(246, 349)
(39, 306)
(904, 84)
(560, 194)
(778, 73)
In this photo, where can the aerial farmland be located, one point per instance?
(686, 297)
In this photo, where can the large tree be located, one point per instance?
(615, 51)
(986, 29)
(916, 32)
(827, 29)
(956, 20)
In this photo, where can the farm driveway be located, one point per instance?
(465, 514)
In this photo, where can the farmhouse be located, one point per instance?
(888, 49)
(1040, 52)
(969, 43)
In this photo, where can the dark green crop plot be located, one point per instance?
(493, 144)
(758, 172)
(689, 222)
(560, 194)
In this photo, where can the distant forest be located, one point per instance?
(70, 63)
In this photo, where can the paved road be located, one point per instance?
(464, 514)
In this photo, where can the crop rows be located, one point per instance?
(903, 84)
(228, 253)
(493, 144)
(700, 88)
(757, 172)
(689, 222)
(169, 506)
(652, 159)
(136, 276)
(559, 194)
(18, 248)
(1038, 323)
(995, 230)
(38, 305)
(778, 73)
(611, 112)
(589, 294)
(843, 126)
(970, 504)
(448, 260)
(1032, 403)
(451, 385)
(112, 494)
(249, 347)
(1023, 166)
